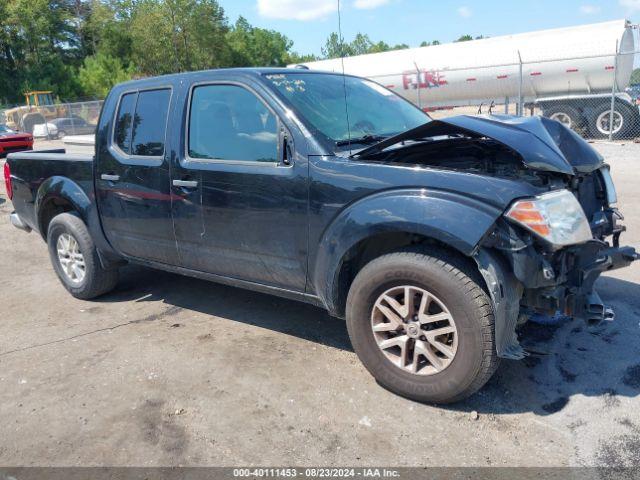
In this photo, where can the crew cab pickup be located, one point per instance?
(434, 239)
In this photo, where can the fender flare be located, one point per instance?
(60, 188)
(63, 188)
(451, 218)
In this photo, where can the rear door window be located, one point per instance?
(141, 122)
(122, 130)
(150, 123)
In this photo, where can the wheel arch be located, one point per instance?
(58, 195)
(392, 221)
(62, 195)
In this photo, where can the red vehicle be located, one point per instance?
(11, 141)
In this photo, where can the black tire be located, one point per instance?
(61, 134)
(97, 281)
(556, 112)
(451, 281)
(626, 113)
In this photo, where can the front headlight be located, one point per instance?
(556, 216)
(610, 189)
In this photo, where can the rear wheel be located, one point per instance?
(602, 122)
(565, 114)
(75, 258)
(422, 326)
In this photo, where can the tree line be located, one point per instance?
(81, 48)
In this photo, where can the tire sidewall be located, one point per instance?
(440, 387)
(568, 110)
(626, 118)
(57, 227)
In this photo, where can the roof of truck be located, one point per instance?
(247, 71)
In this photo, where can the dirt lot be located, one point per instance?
(169, 370)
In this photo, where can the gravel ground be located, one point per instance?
(169, 370)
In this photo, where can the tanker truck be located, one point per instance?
(567, 74)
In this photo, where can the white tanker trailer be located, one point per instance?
(568, 73)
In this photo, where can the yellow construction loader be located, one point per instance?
(39, 108)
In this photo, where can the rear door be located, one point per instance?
(132, 177)
(240, 197)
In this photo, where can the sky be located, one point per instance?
(309, 22)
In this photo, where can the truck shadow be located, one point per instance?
(572, 359)
(266, 311)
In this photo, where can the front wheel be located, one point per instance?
(75, 258)
(422, 326)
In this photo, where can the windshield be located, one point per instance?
(372, 110)
(5, 129)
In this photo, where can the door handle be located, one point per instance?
(110, 178)
(185, 183)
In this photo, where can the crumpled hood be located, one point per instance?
(542, 143)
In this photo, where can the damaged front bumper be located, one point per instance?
(576, 296)
(523, 280)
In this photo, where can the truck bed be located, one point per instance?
(30, 170)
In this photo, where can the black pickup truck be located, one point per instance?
(434, 239)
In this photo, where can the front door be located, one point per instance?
(241, 208)
(132, 178)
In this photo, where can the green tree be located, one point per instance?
(8, 65)
(252, 46)
(335, 48)
(178, 35)
(467, 38)
(295, 58)
(464, 38)
(100, 73)
(40, 47)
(108, 29)
(360, 45)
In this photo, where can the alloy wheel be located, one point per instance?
(414, 330)
(71, 258)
